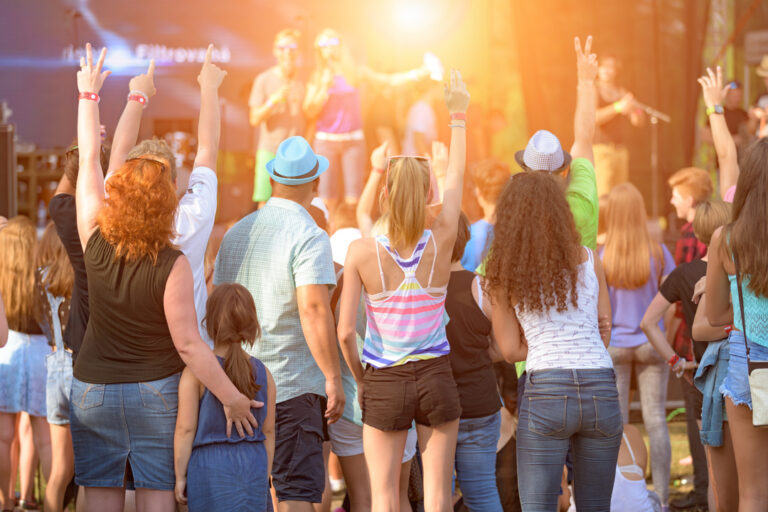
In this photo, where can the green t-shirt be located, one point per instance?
(581, 195)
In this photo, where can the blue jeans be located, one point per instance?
(563, 407)
(476, 462)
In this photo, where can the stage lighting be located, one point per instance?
(411, 16)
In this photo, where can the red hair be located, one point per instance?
(138, 213)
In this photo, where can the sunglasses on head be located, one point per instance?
(287, 46)
(333, 41)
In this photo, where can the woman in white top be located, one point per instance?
(548, 291)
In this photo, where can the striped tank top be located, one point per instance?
(408, 323)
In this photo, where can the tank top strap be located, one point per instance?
(476, 283)
(590, 256)
(377, 241)
(630, 468)
(429, 234)
(54, 303)
(259, 372)
(408, 266)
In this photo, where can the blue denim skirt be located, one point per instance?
(118, 424)
(22, 373)
(736, 383)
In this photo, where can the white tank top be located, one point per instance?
(567, 339)
(631, 495)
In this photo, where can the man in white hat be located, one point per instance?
(544, 152)
(759, 113)
(280, 254)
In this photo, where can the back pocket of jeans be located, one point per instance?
(608, 419)
(160, 395)
(547, 414)
(87, 396)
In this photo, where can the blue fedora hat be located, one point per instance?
(295, 163)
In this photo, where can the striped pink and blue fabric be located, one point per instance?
(408, 323)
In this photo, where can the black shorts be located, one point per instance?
(420, 390)
(298, 472)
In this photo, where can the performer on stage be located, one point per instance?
(333, 102)
(758, 115)
(276, 107)
(616, 107)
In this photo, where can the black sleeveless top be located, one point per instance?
(127, 338)
(469, 336)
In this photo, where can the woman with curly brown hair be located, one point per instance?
(547, 292)
(142, 328)
(22, 359)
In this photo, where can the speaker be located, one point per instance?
(8, 185)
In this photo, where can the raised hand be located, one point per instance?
(210, 75)
(379, 156)
(712, 87)
(146, 82)
(90, 78)
(456, 94)
(586, 62)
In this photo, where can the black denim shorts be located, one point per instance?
(424, 391)
(298, 472)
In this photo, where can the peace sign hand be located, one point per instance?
(456, 94)
(712, 87)
(145, 83)
(210, 75)
(90, 78)
(586, 62)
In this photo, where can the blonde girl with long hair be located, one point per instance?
(22, 359)
(635, 264)
(332, 102)
(404, 275)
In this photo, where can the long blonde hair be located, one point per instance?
(405, 200)
(629, 248)
(17, 274)
(51, 255)
(347, 65)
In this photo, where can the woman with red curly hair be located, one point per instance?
(142, 328)
(550, 288)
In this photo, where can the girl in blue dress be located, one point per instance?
(215, 471)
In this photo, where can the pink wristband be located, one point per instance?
(135, 96)
(89, 96)
(458, 116)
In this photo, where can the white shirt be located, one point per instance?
(421, 118)
(340, 241)
(570, 338)
(194, 222)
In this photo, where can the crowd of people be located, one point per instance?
(446, 364)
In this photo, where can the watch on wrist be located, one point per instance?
(715, 109)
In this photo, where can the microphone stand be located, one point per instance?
(655, 116)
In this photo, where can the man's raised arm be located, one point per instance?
(209, 125)
(586, 101)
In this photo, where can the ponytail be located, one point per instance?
(408, 184)
(230, 319)
(237, 366)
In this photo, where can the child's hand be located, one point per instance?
(181, 490)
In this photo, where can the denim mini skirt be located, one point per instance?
(118, 424)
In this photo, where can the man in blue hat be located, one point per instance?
(544, 152)
(285, 260)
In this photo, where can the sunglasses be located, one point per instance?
(163, 167)
(325, 43)
(288, 47)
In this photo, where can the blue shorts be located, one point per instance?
(59, 385)
(118, 424)
(736, 383)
